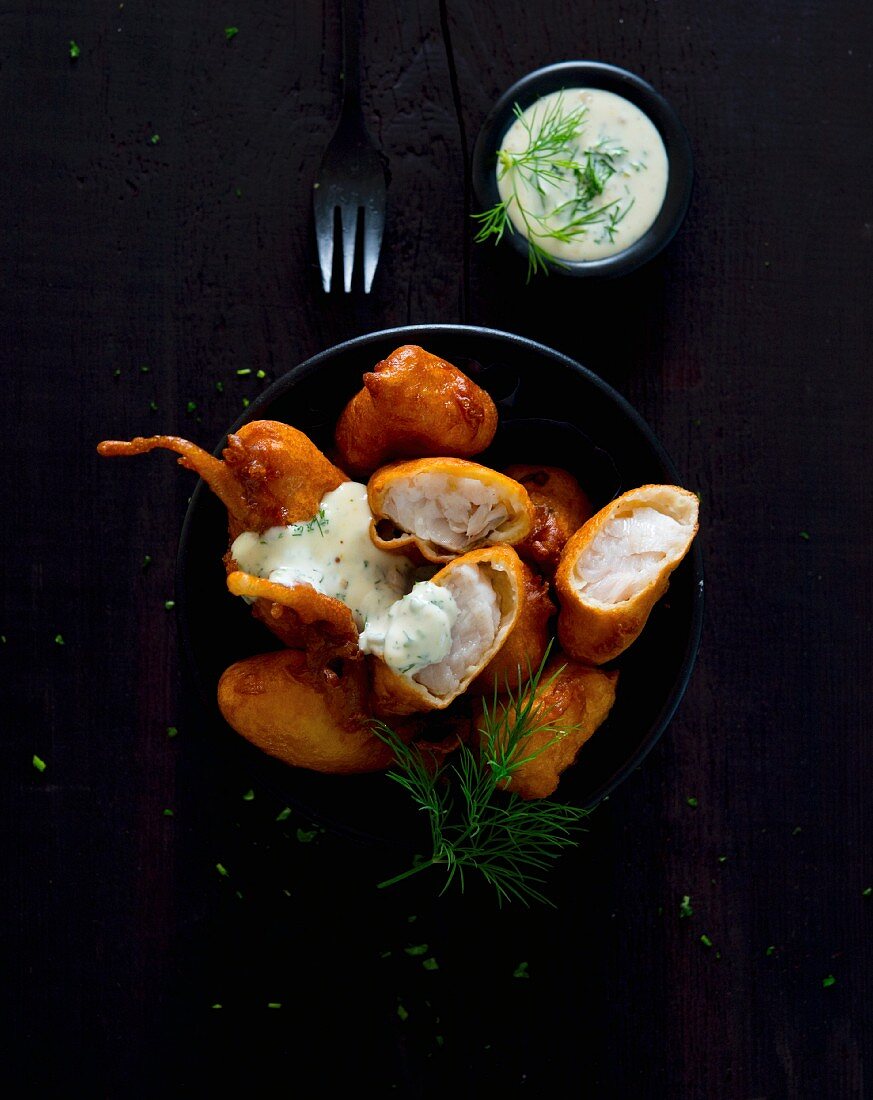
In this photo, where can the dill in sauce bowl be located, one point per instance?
(582, 174)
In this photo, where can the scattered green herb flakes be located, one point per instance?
(59, 639)
(306, 836)
(705, 940)
(430, 963)
(260, 374)
(771, 950)
(117, 372)
(865, 893)
(231, 32)
(243, 371)
(245, 402)
(217, 1006)
(39, 763)
(521, 971)
(169, 604)
(412, 918)
(402, 1013)
(191, 406)
(283, 815)
(384, 954)
(249, 796)
(692, 802)
(238, 893)
(146, 561)
(144, 369)
(416, 950)
(796, 831)
(172, 731)
(2, 639)
(439, 1040)
(75, 50)
(805, 536)
(155, 138)
(274, 1004)
(153, 406)
(222, 870)
(685, 909)
(169, 813)
(238, 192)
(828, 981)
(722, 859)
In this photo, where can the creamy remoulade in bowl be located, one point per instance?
(584, 169)
(551, 411)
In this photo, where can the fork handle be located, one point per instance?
(351, 21)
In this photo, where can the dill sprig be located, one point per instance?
(475, 825)
(553, 159)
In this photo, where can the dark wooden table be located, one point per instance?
(157, 238)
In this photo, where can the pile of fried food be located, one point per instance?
(430, 580)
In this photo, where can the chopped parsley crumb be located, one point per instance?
(155, 138)
(722, 859)
(74, 50)
(705, 940)
(805, 536)
(222, 870)
(865, 893)
(430, 963)
(219, 386)
(59, 639)
(216, 1006)
(796, 830)
(231, 32)
(249, 795)
(692, 802)
(438, 1039)
(685, 909)
(169, 813)
(274, 1004)
(415, 950)
(146, 561)
(153, 405)
(169, 604)
(117, 372)
(2, 639)
(243, 371)
(261, 374)
(402, 1013)
(245, 402)
(39, 763)
(829, 981)
(306, 835)
(771, 950)
(144, 369)
(412, 918)
(172, 731)
(238, 192)
(283, 815)
(191, 407)
(521, 971)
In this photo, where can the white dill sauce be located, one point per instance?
(409, 625)
(583, 172)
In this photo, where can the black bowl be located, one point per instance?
(610, 78)
(552, 411)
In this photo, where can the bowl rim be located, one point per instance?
(607, 77)
(402, 335)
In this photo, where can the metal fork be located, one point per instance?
(352, 175)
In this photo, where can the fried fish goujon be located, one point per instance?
(617, 566)
(445, 507)
(571, 702)
(271, 474)
(413, 404)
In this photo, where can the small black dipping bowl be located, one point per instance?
(552, 411)
(592, 74)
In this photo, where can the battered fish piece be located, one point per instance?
(486, 589)
(315, 719)
(572, 702)
(413, 404)
(526, 643)
(444, 507)
(561, 506)
(617, 566)
(271, 474)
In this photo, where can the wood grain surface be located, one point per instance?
(157, 238)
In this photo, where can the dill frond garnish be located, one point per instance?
(477, 826)
(554, 184)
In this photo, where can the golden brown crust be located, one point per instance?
(575, 703)
(591, 631)
(512, 530)
(315, 719)
(561, 506)
(413, 404)
(394, 693)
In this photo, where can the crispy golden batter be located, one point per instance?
(526, 643)
(316, 719)
(561, 506)
(415, 506)
(596, 626)
(300, 616)
(576, 702)
(271, 473)
(413, 404)
(394, 693)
